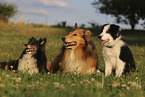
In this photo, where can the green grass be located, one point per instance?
(13, 38)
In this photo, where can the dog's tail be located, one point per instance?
(11, 65)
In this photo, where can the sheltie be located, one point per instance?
(78, 53)
(32, 60)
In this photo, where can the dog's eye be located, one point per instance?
(75, 34)
(107, 31)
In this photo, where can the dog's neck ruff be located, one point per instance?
(28, 64)
(72, 63)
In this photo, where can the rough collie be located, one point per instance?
(78, 53)
(32, 59)
(117, 54)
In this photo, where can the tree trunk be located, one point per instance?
(132, 23)
(132, 27)
(6, 19)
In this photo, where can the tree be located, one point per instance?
(125, 11)
(7, 11)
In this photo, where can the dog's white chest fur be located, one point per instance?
(28, 64)
(111, 55)
(73, 64)
(112, 60)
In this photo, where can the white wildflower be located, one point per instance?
(123, 85)
(11, 67)
(127, 88)
(129, 83)
(138, 86)
(7, 76)
(81, 82)
(18, 79)
(62, 86)
(92, 79)
(73, 85)
(133, 84)
(114, 85)
(99, 85)
(56, 84)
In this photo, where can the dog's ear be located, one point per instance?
(115, 30)
(87, 35)
(75, 27)
(42, 41)
(32, 38)
(119, 32)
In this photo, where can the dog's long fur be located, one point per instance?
(117, 54)
(78, 54)
(32, 59)
(41, 58)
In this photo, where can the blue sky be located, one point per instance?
(51, 12)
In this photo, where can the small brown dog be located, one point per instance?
(78, 53)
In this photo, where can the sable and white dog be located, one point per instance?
(78, 54)
(117, 54)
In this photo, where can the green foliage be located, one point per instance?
(61, 24)
(12, 84)
(125, 11)
(7, 11)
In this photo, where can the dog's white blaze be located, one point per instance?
(112, 60)
(28, 64)
(104, 34)
(72, 64)
(106, 28)
(107, 36)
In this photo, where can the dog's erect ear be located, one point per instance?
(87, 35)
(32, 38)
(42, 41)
(75, 27)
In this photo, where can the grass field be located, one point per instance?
(12, 40)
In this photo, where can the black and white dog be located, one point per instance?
(117, 54)
(32, 60)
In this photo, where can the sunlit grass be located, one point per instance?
(12, 84)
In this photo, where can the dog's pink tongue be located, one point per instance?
(72, 43)
(103, 41)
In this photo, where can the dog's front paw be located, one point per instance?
(107, 74)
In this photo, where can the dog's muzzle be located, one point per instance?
(67, 44)
(63, 39)
(99, 36)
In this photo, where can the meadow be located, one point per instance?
(12, 84)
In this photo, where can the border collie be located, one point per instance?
(117, 54)
(78, 53)
(32, 59)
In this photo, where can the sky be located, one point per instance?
(52, 12)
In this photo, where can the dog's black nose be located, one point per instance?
(99, 37)
(63, 38)
(25, 45)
